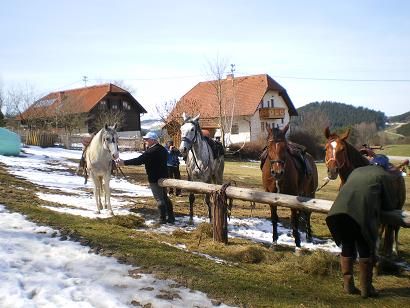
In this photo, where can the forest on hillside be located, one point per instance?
(341, 115)
(402, 118)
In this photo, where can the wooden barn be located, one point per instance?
(84, 108)
(246, 103)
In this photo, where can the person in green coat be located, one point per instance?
(354, 220)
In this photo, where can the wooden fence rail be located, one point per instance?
(401, 218)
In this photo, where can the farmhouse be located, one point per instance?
(246, 104)
(83, 109)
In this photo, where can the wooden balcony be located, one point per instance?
(271, 113)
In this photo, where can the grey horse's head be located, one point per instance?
(190, 131)
(110, 140)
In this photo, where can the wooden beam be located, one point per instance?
(401, 218)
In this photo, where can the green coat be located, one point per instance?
(368, 190)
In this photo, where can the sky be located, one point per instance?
(354, 52)
(38, 268)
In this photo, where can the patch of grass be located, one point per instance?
(126, 221)
(396, 150)
(248, 254)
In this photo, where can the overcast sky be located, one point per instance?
(355, 52)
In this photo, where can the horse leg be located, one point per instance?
(97, 192)
(396, 241)
(274, 219)
(107, 194)
(294, 217)
(208, 203)
(102, 190)
(388, 240)
(306, 215)
(191, 208)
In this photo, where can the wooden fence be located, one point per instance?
(400, 218)
(40, 138)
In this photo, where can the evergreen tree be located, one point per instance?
(2, 121)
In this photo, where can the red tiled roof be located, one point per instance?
(249, 92)
(79, 100)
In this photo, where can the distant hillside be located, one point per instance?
(343, 115)
(401, 118)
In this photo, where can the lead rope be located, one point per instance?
(327, 180)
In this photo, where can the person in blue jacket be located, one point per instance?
(173, 165)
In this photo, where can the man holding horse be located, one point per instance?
(354, 221)
(155, 160)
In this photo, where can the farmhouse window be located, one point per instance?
(126, 105)
(272, 102)
(103, 105)
(262, 126)
(114, 106)
(235, 129)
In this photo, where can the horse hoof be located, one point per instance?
(112, 213)
(274, 246)
(190, 222)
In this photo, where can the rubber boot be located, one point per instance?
(170, 210)
(162, 214)
(366, 278)
(346, 264)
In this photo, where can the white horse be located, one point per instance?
(201, 164)
(102, 150)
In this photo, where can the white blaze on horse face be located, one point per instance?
(334, 145)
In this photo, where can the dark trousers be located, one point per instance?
(164, 203)
(352, 239)
(173, 173)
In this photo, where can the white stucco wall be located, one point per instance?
(257, 132)
(243, 134)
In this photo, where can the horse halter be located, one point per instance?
(111, 139)
(190, 142)
(332, 143)
(281, 162)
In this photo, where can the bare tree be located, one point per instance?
(366, 133)
(110, 117)
(217, 69)
(313, 123)
(19, 99)
(171, 111)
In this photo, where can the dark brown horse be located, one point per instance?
(342, 158)
(284, 173)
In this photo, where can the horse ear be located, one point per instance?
(185, 117)
(196, 118)
(106, 126)
(327, 132)
(345, 135)
(285, 129)
(115, 126)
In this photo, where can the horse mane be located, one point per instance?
(278, 135)
(355, 157)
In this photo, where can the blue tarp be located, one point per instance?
(10, 143)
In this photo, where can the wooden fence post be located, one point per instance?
(220, 211)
